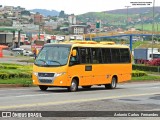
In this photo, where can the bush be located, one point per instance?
(154, 62)
(3, 75)
(25, 75)
(13, 75)
(10, 71)
(9, 66)
(146, 68)
(137, 73)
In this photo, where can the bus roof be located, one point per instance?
(88, 44)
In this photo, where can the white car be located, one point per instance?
(18, 51)
(28, 53)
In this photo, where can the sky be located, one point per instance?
(79, 6)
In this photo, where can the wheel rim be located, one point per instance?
(73, 86)
(113, 83)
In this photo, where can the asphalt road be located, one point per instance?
(126, 97)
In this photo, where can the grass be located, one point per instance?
(149, 45)
(147, 27)
(138, 43)
(146, 78)
(144, 44)
(17, 81)
(31, 60)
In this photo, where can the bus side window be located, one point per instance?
(74, 59)
(96, 55)
(83, 55)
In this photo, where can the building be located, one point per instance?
(8, 8)
(78, 29)
(37, 18)
(72, 19)
(50, 25)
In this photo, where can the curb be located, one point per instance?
(10, 85)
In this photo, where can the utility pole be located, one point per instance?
(153, 28)
(39, 32)
(142, 22)
(127, 13)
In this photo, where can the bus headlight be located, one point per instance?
(59, 74)
(35, 73)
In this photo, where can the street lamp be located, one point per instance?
(153, 28)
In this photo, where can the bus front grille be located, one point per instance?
(46, 74)
(46, 77)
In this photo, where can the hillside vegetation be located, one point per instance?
(140, 18)
(145, 44)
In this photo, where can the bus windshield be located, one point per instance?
(53, 56)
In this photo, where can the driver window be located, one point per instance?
(74, 59)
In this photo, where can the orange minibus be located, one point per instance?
(74, 64)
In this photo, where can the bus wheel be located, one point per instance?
(89, 86)
(112, 85)
(74, 86)
(43, 88)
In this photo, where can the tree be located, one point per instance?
(31, 20)
(54, 18)
(5, 15)
(25, 12)
(66, 24)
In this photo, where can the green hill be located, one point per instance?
(137, 17)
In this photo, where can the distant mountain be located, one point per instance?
(141, 10)
(46, 12)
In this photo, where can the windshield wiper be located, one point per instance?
(42, 61)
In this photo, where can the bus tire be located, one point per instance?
(43, 88)
(112, 85)
(74, 86)
(86, 87)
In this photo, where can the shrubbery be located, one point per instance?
(11, 75)
(137, 73)
(146, 68)
(154, 62)
(8, 71)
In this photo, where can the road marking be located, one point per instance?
(155, 87)
(74, 101)
(33, 95)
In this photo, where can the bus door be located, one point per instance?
(98, 72)
(78, 66)
(85, 62)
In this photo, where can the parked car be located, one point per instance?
(28, 53)
(18, 51)
(21, 51)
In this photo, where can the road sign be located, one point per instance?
(98, 24)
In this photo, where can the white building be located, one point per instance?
(72, 19)
(78, 29)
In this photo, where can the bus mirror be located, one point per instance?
(74, 53)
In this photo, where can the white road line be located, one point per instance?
(29, 95)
